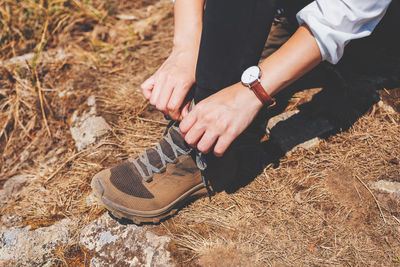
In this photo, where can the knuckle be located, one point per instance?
(202, 148)
(219, 128)
(152, 101)
(198, 127)
(146, 94)
(168, 78)
(190, 141)
(160, 107)
(173, 116)
(171, 107)
(183, 82)
(160, 77)
(208, 118)
(231, 132)
(218, 152)
(199, 107)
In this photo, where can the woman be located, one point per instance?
(215, 58)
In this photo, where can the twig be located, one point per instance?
(310, 247)
(41, 102)
(395, 218)
(155, 41)
(36, 76)
(154, 121)
(372, 194)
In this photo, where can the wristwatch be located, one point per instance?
(251, 78)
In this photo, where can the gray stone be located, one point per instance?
(24, 247)
(9, 220)
(52, 55)
(91, 200)
(386, 107)
(87, 133)
(12, 187)
(114, 244)
(281, 117)
(392, 188)
(88, 127)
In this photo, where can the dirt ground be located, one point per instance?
(310, 207)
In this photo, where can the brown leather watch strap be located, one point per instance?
(264, 97)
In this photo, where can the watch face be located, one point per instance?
(251, 75)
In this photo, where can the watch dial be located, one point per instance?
(250, 75)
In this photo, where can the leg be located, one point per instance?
(233, 37)
(154, 185)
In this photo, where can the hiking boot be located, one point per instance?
(154, 185)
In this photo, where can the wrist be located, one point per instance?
(185, 44)
(251, 79)
(251, 100)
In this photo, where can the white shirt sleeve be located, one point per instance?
(334, 23)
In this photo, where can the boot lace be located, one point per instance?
(151, 169)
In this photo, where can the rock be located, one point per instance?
(281, 117)
(308, 144)
(12, 187)
(52, 55)
(87, 128)
(87, 133)
(91, 102)
(297, 197)
(114, 244)
(21, 247)
(299, 132)
(392, 188)
(386, 107)
(91, 200)
(15, 184)
(9, 220)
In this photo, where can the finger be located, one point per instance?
(207, 141)
(159, 83)
(194, 135)
(147, 86)
(188, 122)
(177, 98)
(164, 96)
(185, 110)
(222, 145)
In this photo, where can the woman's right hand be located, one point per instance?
(167, 88)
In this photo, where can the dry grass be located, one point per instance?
(309, 210)
(53, 84)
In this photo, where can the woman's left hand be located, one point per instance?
(220, 118)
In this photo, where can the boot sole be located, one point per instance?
(139, 217)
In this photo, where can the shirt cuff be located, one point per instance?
(335, 23)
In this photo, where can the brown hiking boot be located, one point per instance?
(154, 185)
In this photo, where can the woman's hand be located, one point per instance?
(167, 88)
(220, 118)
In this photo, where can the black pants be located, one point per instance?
(233, 37)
